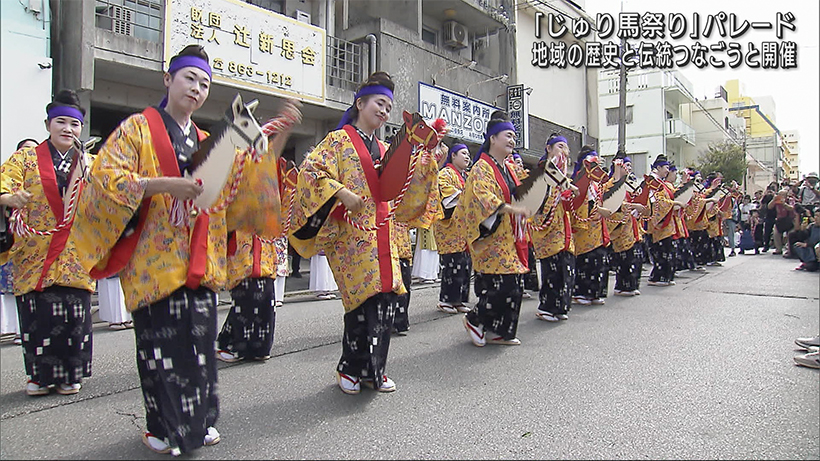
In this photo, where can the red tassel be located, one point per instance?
(440, 125)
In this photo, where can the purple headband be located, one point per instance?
(557, 139)
(183, 62)
(498, 128)
(452, 151)
(659, 163)
(627, 160)
(65, 111)
(516, 155)
(366, 91)
(673, 168)
(189, 61)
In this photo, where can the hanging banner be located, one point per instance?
(519, 111)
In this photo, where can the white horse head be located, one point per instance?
(212, 163)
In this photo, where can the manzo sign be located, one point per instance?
(466, 117)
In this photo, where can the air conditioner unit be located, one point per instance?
(121, 18)
(302, 16)
(455, 35)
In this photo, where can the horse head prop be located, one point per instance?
(414, 134)
(237, 131)
(534, 190)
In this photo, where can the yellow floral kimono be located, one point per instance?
(449, 232)
(555, 237)
(364, 261)
(249, 256)
(32, 170)
(164, 257)
(664, 222)
(403, 243)
(589, 234)
(694, 214)
(484, 194)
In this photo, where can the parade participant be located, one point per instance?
(426, 256)
(697, 222)
(253, 266)
(322, 280)
(496, 237)
(9, 323)
(663, 226)
(625, 235)
(553, 243)
(449, 234)
(401, 323)
(591, 236)
(714, 225)
(111, 302)
(282, 270)
(684, 259)
(339, 185)
(170, 270)
(53, 291)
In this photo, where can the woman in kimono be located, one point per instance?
(339, 184)
(663, 226)
(449, 234)
(253, 265)
(53, 290)
(591, 236)
(426, 256)
(170, 271)
(496, 237)
(553, 243)
(625, 235)
(9, 322)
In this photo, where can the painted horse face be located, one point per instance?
(242, 120)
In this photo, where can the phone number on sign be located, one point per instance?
(244, 70)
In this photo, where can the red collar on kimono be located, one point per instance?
(45, 166)
(521, 246)
(125, 246)
(458, 174)
(382, 208)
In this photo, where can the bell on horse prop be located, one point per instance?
(394, 168)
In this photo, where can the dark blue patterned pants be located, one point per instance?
(663, 254)
(401, 322)
(249, 327)
(592, 274)
(176, 361)
(366, 339)
(455, 278)
(557, 283)
(628, 265)
(499, 303)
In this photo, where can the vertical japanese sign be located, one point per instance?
(519, 111)
(466, 117)
(250, 47)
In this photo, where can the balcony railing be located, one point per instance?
(132, 18)
(676, 128)
(344, 63)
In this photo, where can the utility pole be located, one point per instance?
(622, 102)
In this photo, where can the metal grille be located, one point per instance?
(344, 64)
(134, 18)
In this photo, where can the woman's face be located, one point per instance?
(374, 110)
(504, 140)
(188, 89)
(461, 159)
(559, 148)
(62, 130)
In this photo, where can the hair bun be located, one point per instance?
(67, 98)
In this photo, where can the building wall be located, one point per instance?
(26, 86)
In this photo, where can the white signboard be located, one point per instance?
(466, 117)
(250, 47)
(518, 110)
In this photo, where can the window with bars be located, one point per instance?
(344, 63)
(133, 18)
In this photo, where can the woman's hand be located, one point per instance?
(179, 188)
(350, 200)
(18, 199)
(515, 210)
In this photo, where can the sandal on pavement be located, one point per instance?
(387, 384)
(348, 384)
(159, 446)
(68, 389)
(34, 388)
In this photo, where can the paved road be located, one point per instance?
(702, 370)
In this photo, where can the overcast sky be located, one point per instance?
(795, 91)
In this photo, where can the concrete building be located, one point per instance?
(25, 88)
(764, 140)
(114, 53)
(791, 140)
(561, 100)
(657, 105)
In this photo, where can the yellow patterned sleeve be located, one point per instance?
(421, 205)
(12, 172)
(319, 174)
